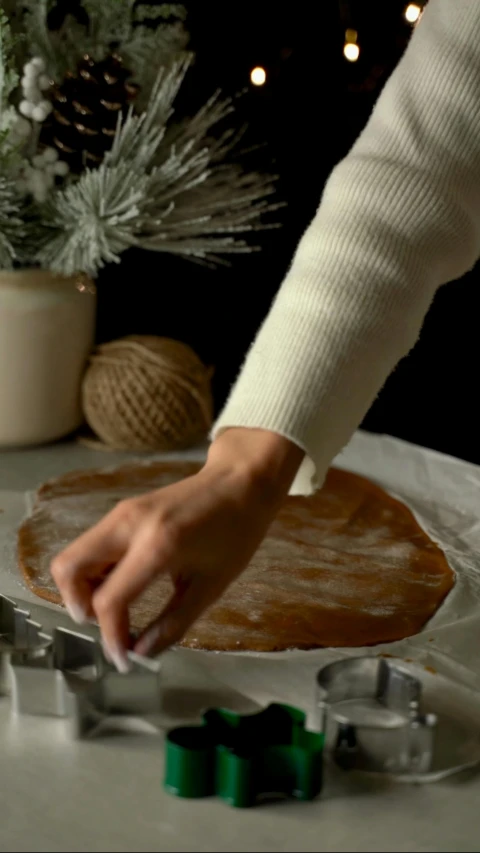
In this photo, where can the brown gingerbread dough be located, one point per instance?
(349, 566)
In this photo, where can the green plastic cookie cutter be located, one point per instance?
(243, 759)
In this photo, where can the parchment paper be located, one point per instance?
(443, 493)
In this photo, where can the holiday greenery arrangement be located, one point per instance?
(92, 162)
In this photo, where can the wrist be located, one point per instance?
(260, 457)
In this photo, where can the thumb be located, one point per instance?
(191, 597)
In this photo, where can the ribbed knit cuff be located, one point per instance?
(306, 481)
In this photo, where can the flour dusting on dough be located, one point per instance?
(348, 566)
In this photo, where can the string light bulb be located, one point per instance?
(258, 76)
(413, 12)
(351, 50)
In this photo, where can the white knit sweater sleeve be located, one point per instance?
(400, 216)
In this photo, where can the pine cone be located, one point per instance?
(86, 108)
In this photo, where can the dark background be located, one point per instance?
(310, 111)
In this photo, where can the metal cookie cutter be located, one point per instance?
(18, 633)
(71, 678)
(243, 759)
(370, 713)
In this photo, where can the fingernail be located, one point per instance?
(116, 655)
(148, 642)
(106, 652)
(76, 612)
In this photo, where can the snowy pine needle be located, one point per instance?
(93, 220)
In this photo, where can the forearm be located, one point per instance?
(256, 461)
(399, 217)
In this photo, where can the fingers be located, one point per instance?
(107, 568)
(80, 567)
(184, 608)
(141, 564)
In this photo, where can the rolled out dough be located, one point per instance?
(349, 566)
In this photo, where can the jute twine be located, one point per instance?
(147, 393)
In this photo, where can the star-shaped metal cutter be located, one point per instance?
(244, 759)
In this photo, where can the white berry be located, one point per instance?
(61, 168)
(31, 96)
(38, 63)
(26, 109)
(36, 181)
(21, 128)
(38, 186)
(42, 111)
(30, 71)
(38, 161)
(38, 114)
(50, 155)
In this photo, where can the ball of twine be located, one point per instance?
(147, 393)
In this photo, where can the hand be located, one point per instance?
(202, 531)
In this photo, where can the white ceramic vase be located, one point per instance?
(47, 327)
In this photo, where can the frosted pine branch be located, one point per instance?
(38, 35)
(139, 137)
(12, 229)
(110, 22)
(148, 12)
(93, 221)
(9, 77)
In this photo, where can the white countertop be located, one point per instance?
(106, 794)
